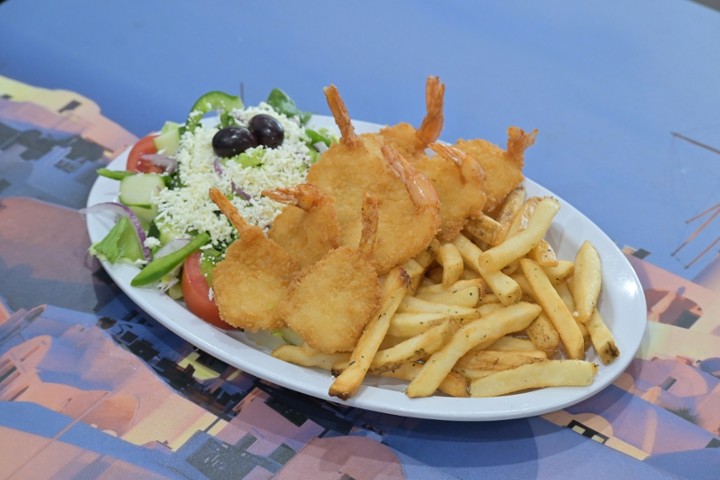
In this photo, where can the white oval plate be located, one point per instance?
(622, 305)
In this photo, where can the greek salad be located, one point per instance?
(166, 223)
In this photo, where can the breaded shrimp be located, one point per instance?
(409, 208)
(405, 138)
(334, 298)
(409, 216)
(307, 228)
(504, 168)
(347, 170)
(252, 281)
(459, 180)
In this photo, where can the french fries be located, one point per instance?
(524, 241)
(347, 383)
(477, 334)
(492, 312)
(554, 307)
(549, 373)
(587, 280)
(601, 338)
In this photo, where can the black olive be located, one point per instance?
(268, 130)
(231, 141)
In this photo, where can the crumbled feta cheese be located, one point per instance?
(151, 242)
(189, 208)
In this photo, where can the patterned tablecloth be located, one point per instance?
(625, 100)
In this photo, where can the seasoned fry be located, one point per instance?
(506, 289)
(521, 243)
(448, 255)
(475, 334)
(453, 384)
(550, 373)
(554, 308)
(510, 207)
(563, 270)
(544, 254)
(415, 271)
(520, 221)
(409, 324)
(307, 357)
(487, 308)
(418, 305)
(566, 295)
(414, 348)
(543, 334)
(513, 344)
(602, 338)
(465, 297)
(440, 289)
(587, 280)
(497, 360)
(347, 383)
(486, 229)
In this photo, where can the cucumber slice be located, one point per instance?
(168, 141)
(139, 190)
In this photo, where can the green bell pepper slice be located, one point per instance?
(160, 267)
(214, 101)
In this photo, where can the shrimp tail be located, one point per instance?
(342, 117)
(229, 210)
(421, 189)
(470, 168)
(518, 142)
(305, 196)
(434, 120)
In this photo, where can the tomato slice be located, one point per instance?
(135, 162)
(196, 292)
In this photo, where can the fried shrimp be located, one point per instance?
(408, 205)
(409, 216)
(459, 180)
(347, 170)
(411, 142)
(504, 168)
(252, 281)
(332, 300)
(307, 228)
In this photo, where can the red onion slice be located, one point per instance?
(236, 190)
(120, 209)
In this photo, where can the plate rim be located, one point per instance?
(388, 400)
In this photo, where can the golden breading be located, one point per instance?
(307, 228)
(409, 207)
(345, 173)
(459, 181)
(252, 281)
(503, 168)
(332, 300)
(409, 212)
